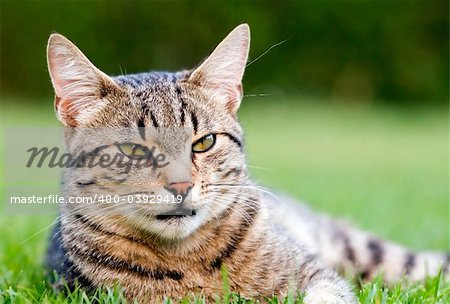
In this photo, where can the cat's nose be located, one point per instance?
(181, 188)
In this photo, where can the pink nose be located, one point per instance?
(182, 188)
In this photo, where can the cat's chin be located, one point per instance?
(175, 220)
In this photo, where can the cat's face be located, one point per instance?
(188, 119)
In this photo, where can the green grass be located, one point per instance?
(384, 169)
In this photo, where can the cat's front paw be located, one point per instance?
(326, 298)
(327, 292)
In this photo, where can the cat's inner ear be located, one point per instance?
(80, 88)
(220, 75)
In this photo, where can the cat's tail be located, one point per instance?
(348, 248)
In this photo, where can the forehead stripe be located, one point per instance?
(141, 126)
(183, 104)
(194, 121)
(154, 122)
(141, 121)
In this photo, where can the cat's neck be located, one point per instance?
(231, 224)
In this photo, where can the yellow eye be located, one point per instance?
(133, 150)
(204, 144)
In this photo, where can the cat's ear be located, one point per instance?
(80, 88)
(221, 73)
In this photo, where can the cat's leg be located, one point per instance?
(346, 247)
(329, 291)
(58, 262)
(324, 286)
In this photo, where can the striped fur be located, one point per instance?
(268, 245)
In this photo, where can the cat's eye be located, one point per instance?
(204, 144)
(133, 150)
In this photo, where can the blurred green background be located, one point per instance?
(350, 113)
(353, 51)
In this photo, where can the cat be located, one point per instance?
(266, 244)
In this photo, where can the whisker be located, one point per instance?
(259, 95)
(261, 168)
(254, 187)
(268, 50)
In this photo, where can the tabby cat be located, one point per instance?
(267, 245)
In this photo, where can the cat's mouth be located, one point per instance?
(176, 214)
